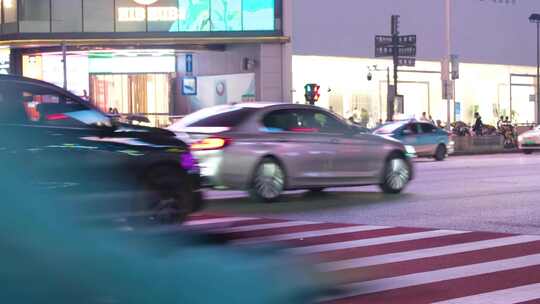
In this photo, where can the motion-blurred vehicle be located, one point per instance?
(66, 145)
(426, 138)
(47, 257)
(529, 141)
(267, 148)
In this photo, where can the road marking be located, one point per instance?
(362, 288)
(426, 253)
(217, 221)
(308, 234)
(373, 241)
(263, 227)
(505, 296)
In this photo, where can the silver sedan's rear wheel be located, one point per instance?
(268, 181)
(397, 175)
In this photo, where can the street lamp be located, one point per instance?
(535, 18)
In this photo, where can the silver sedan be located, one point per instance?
(267, 148)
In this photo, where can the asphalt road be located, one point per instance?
(496, 193)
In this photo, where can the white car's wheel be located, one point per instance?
(268, 181)
(397, 174)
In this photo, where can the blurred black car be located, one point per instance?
(66, 145)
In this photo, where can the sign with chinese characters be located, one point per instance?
(152, 13)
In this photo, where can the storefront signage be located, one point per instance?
(200, 15)
(141, 14)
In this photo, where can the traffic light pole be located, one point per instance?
(395, 57)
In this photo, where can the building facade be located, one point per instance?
(333, 45)
(158, 58)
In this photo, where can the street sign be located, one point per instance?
(445, 69)
(454, 62)
(407, 40)
(381, 40)
(189, 86)
(388, 51)
(189, 64)
(384, 51)
(447, 89)
(407, 61)
(408, 51)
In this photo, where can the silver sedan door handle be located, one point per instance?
(334, 141)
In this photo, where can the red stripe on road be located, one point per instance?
(285, 230)
(451, 289)
(407, 246)
(252, 222)
(354, 236)
(435, 263)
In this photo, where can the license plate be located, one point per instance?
(530, 142)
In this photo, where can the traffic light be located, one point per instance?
(312, 93)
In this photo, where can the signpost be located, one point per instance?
(402, 49)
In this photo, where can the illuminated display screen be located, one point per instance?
(200, 15)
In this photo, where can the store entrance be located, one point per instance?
(143, 94)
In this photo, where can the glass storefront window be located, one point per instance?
(35, 16)
(197, 16)
(258, 15)
(163, 15)
(98, 15)
(66, 15)
(10, 16)
(72, 16)
(226, 15)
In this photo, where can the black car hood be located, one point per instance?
(148, 135)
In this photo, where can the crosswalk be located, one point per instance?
(380, 264)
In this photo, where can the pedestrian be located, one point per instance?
(507, 120)
(478, 124)
(364, 118)
(85, 95)
(424, 117)
(500, 122)
(431, 120)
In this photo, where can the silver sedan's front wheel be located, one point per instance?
(268, 181)
(397, 175)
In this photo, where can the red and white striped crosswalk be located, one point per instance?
(379, 264)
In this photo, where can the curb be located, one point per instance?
(465, 153)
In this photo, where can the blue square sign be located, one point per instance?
(189, 86)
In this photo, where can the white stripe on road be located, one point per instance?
(217, 221)
(373, 241)
(362, 288)
(427, 253)
(505, 296)
(263, 227)
(308, 234)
